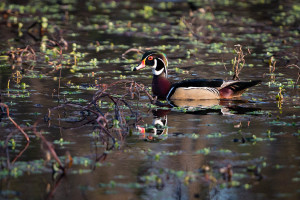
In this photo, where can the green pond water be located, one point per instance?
(246, 148)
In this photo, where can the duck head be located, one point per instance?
(156, 60)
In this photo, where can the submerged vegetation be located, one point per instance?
(72, 109)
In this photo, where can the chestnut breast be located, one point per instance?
(160, 86)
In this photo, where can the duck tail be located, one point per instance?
(236, 88)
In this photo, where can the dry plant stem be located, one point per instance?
(132, 50)
(116, 101)
(99, 117)
(135, 50)
(7, 159)
(293, 65)
(57, 183)
(140, 87)
(105, 120)
(58, 89)
(189, 26)
(18, 127)
(104, 129)
(20, 154)
(60, 52)
(239, 61)
(31, 50)
(48, 144)
(153, 100)
(102, 157)
(17, 55)
(193, 27)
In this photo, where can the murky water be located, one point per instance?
(244, 148)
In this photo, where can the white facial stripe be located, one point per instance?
(155, 64)
(155, 72)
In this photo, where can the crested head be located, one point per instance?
(156, 60)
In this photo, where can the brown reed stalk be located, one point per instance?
(16, 125)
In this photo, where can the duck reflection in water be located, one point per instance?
(159, 128)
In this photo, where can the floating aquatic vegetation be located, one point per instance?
(198, 153)
(215, 135)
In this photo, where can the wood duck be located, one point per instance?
(193, 89)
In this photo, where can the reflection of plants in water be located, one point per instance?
(21, 55)
(111, 115)
(279, 98)
(17, 76)
(6, 108)
(272, 63)
(107, 109)
(217, 175)
(206, 33)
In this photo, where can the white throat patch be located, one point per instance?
(155, 72)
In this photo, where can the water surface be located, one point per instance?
(244, 148)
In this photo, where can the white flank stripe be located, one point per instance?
(170, 92)
(213, 90)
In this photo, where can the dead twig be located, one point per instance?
(49, 146)
(30, 50)
(272, 63)
(139, 51)
(7, 152)
(239, 61)
(132, 50)
(16, 125)
(294, 65)
(56, 185)
(20, 154)
(112, 122)
(20, 55)
(196, 22)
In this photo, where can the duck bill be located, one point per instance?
(141, 66)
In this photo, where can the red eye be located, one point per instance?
(150, 58)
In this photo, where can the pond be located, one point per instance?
(94, 131)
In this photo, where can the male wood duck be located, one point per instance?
(194, 89)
